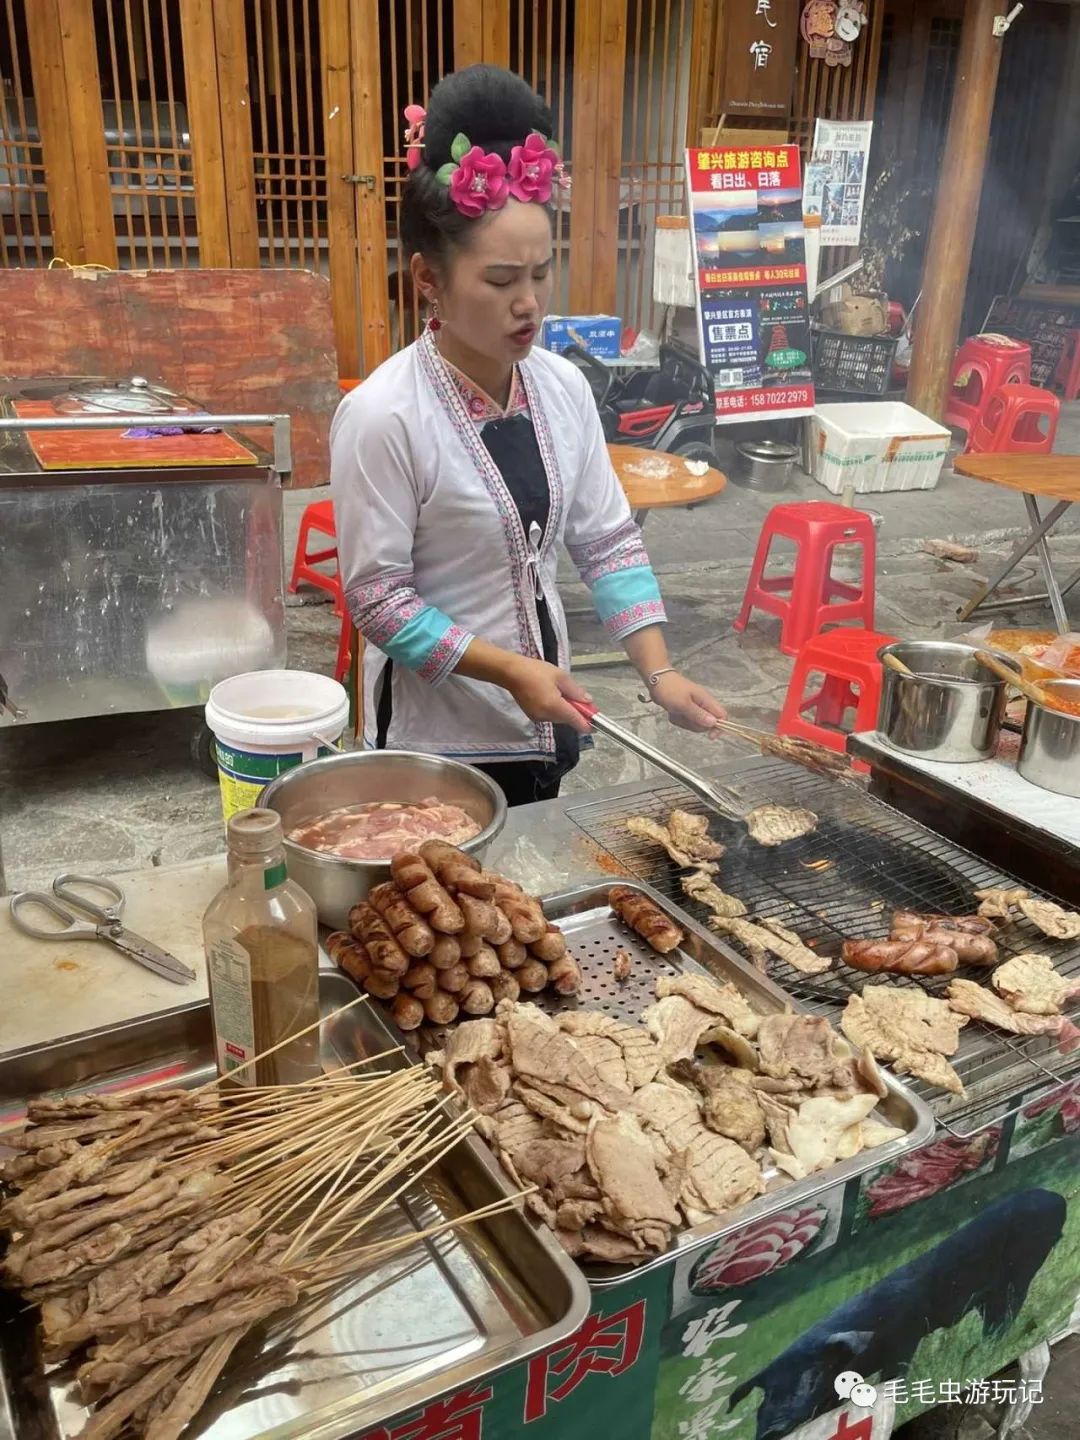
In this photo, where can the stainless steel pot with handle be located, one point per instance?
(1050, 745)
(950, 708)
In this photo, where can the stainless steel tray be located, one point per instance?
(595, 934)
(434, 1319)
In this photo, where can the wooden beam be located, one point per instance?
(370, 199)
(956, 209)
(67, 90)
(702, 48)
(481, 32)
(587, 122)
(204, 119)
(611, 79)
(340, 200)
(238, 162)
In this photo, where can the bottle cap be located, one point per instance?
(254, 832)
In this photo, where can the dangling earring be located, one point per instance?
(434, 323)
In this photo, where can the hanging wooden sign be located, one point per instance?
(759, 63)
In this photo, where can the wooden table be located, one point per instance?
(651, 480)
(1053, 477)
(654, 480)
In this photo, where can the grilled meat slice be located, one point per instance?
(911, 1029)
(1052, 920)
(981, 1003)
(776, 824)
(997, 902)
(699, 886)
(1032, 986)
(730, 1104)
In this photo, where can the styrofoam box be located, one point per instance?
(877, 445)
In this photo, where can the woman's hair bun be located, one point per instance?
(495, 108)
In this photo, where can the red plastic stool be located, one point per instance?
(981, 365)
(1067, 374)
(847, 660)
(1012, 422)
(320, 519)
(810, 599)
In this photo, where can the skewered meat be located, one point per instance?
(413, 932)
(1031, 985)
(644, 916)
(773, 938)
(699, 886)
(967, 998)
(996, 903)
(900, 957)
(911, 1029)
(968, 935)
(1052, 920)
(776, 824)
(693, 848)
(377, 830)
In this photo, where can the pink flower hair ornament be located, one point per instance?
(480, 181)
(415, 115)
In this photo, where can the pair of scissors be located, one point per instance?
(107, 922)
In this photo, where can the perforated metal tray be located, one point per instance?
(595, 935)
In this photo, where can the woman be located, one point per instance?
(460, 465)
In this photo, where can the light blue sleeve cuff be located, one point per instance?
(628, 600)
(430, 643)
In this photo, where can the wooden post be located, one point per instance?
(956, 209)
(481, 33)
(340, 200)
(370, 189)
(67, 87)
(596, 161)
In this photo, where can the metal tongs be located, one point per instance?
(718, 796)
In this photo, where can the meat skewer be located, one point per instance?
(646, 917)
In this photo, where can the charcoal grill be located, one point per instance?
(842, 882)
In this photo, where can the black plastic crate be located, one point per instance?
(853, 364)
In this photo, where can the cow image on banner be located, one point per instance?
(750, 269)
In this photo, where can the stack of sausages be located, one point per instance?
(444, 937)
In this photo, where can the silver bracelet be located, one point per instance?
(651, 681)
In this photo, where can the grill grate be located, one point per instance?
(841, 882)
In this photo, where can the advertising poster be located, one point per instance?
(750, 264)
(836, 179)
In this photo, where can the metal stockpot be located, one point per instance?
(1050, 745)
(949, 709)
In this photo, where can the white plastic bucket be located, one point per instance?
(265, 723)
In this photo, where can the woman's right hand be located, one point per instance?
(542, 691)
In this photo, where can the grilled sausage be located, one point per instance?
(456, 870)
(480, 916)
(565, 976)
(512, 954)
(350, 954)
(484, 964)
(642, 915)
(414, 934)
(368, 925)
(447, 952)
(421, 978)
(533, 976)
(413, 875)
(407, 1011)
(381, 984)
(476, 998)
(968, 935)
(440, 1008)
(454, 979)
(899, 957)
(550, 947)
(504, 986)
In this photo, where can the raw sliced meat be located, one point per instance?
(377, 831)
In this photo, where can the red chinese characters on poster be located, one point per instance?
(605, 1345)
(750, 264)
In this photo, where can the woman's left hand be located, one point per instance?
(688, 705)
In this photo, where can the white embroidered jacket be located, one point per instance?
(432, 551)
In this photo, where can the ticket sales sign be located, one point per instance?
(750, 268)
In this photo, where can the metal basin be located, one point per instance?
(950, 709)
(1050, 744)
(311, 790)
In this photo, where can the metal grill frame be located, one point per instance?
(827, 890)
